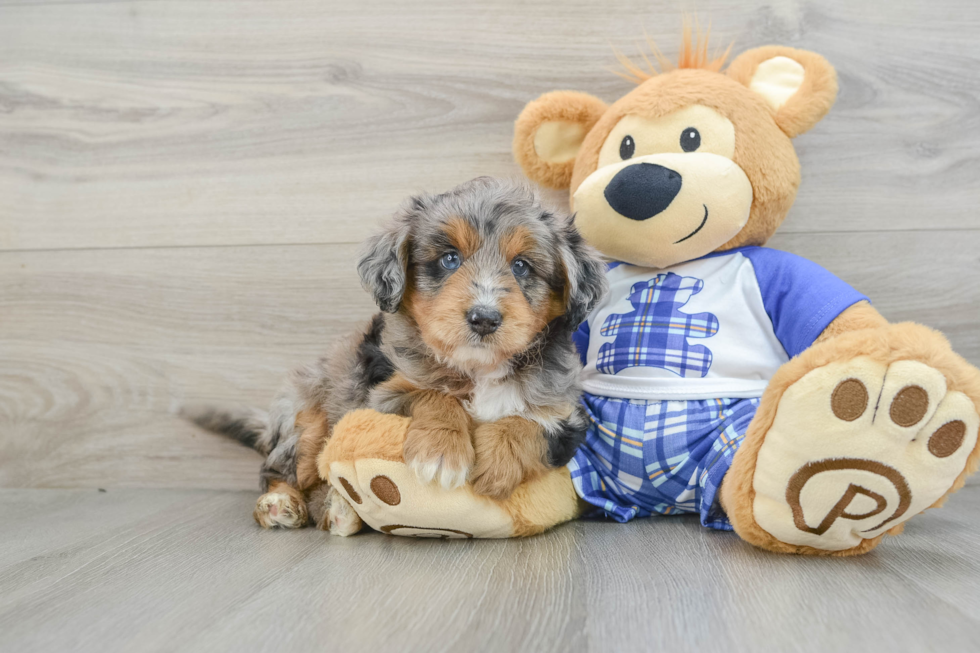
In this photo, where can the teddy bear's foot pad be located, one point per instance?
(388, 496)
(858, 447)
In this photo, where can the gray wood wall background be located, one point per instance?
(183, 185)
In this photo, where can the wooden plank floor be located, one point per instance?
(182, 189)
(185, 570)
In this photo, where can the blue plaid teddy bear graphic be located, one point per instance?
(655, 333)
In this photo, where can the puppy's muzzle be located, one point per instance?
(484, 320)
(643, 190)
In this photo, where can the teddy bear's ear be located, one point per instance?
(799, 86)
(549, 133)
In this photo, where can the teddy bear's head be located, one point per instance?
(691, 161)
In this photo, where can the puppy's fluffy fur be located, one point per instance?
(481, 289)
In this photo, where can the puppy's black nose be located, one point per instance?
(483, 320)
(642, 190)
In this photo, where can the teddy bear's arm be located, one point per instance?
(884, 412)
(861, 315)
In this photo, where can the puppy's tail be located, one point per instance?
(250, 426)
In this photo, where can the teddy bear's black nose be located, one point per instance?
(642, 190)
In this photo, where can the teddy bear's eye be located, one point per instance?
(690, 139)
(627, 147)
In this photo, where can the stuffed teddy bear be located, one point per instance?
(722, 378)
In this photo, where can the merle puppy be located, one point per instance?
(480, 290)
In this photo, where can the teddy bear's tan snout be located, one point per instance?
(660, 209)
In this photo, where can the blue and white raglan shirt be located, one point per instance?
(676, 360)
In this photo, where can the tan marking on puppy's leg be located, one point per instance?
(509, 452)
(314, 430)
(437, 445)
(282, 506)
(393, 396)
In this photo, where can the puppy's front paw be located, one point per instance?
(508, 453)
(497, 479)
(439, 452)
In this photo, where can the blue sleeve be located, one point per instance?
(800, 297)
(580, 338)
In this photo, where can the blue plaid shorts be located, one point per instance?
(644, 457)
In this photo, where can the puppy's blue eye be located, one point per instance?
(450, 260)
(520, 268)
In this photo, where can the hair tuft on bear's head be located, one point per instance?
(693, 54)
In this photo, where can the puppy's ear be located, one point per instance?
(585, 274)
(799, 86)
(549, 133)
(383, 265)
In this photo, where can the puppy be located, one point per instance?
(480, 290)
